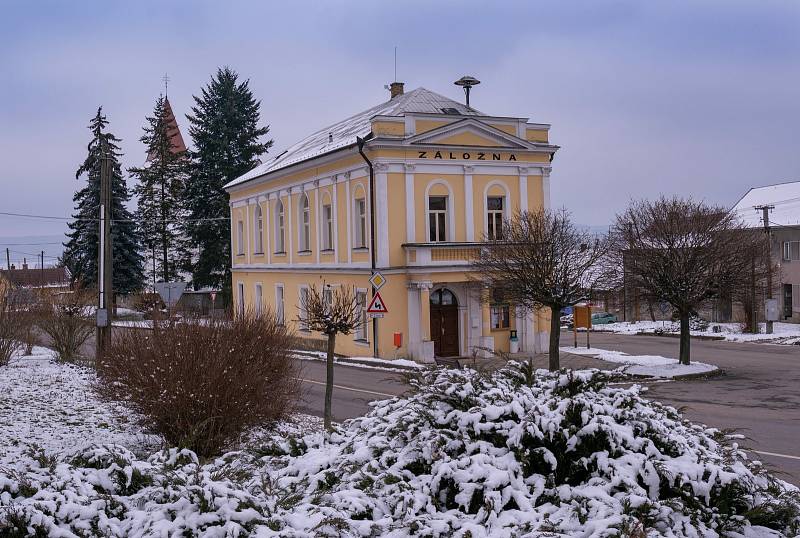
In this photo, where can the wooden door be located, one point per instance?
(444, 323)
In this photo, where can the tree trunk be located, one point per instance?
(650, 309)
(329, 382)
(555, 338)
(685, 339)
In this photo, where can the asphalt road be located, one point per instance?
(759, 393)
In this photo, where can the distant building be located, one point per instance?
(784, 219)
(445, 177)
(26, 283)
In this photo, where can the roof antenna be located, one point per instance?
(166, 84)
(467, 82)
(395, 63)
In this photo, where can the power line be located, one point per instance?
(28, 244)
(32, 216)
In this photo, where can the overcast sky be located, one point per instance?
(644, 97)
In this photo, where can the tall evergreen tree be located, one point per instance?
(159, 190)
(224, 129)
(80, 253)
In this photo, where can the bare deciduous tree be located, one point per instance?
(331, 311)
(541, 260)
(685, 252)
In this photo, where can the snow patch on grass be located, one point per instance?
(783, 333)
(645, 365)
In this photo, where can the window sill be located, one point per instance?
(240, 255)
(326, 251)
(304, 253)
(258, 253)
(361, 342)
(501, 330)
(279, 253)
(360, 249)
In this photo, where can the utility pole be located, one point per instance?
(8, 259)
(105, 278)
(42, 272)
(765, 212)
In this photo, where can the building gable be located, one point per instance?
(469, 132)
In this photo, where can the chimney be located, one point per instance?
(396, 88)
(13, 267)
(24, 264)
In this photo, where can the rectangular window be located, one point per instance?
(795, 251)
(279, 306)
(500, 316)
(494, 216)
(327, 296)
(361, 223)
(302, 308)
(240, 302)
(437, 218)
(327, 227)
(240, 238)
(361, 306)
(786, 251)
(258, 300)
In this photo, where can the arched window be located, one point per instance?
(439, 206)
(305, 223)
(280, 228)
(496, 205)
(259, 218)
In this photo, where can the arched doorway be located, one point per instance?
(444, 323)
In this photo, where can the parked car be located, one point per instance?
(566, 321)
(603, 318)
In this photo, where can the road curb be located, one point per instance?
(685, 377)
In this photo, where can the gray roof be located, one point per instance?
(344, 133)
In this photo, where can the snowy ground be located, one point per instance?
(646, 365)
(469, 455)
(52, 406)
(364, 362)
(783, 333)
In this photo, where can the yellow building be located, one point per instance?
(444, 177)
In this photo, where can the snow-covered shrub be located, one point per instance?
(200, 385)
(473, 454)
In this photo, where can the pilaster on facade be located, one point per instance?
(411, 215)
(546, 186)
(469, 209)
(523, 188)
(381, 215)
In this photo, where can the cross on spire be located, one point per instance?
(165, 78)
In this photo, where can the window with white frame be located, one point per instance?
(280, 311)
(280, 228)
(500, 311)
(327, 227)
(360, 239)
(437, 218)
(259, 300)
(305, 223)
(361, 309)
(240, 299)
(327, 296)
(259, 227)
(240, 238)
(791, 251)
(303, 312)
(495, 207)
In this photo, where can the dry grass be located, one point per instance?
(63, 318)
(10, 330)
(204, 383)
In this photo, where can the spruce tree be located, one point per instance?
(159, 190)
(224, 129)
(80, 254)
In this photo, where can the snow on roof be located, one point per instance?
(344, 133)
(784, 196)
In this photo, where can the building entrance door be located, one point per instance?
(444, 323)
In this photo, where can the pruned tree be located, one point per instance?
(541, 260)
(685, 252)
(331, 311)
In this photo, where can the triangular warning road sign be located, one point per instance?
(377, 306)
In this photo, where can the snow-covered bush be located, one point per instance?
(201, 385)
(465, 455)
